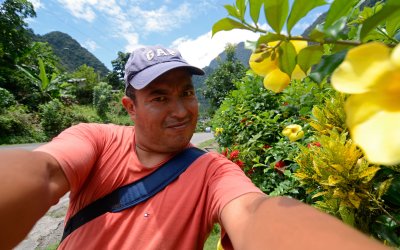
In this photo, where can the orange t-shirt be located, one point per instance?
(98, 158)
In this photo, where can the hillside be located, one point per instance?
(71, 53)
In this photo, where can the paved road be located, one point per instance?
(48, 230)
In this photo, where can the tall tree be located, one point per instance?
(222, 80)
(14, 38)
(115, 78)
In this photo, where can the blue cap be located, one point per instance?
(146, 64)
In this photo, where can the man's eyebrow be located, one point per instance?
(158, 92)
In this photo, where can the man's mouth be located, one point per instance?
(178, 125)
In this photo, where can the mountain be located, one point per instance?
(71, 53)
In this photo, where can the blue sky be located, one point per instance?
(105, 27)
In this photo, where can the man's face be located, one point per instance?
(165, 112)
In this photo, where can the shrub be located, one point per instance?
(6, 98)
(251, 120)
(101, 98)
(54, 117)
(19, 126)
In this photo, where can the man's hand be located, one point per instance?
(30, 183)
(254, 221)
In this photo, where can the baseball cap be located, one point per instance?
(146, 64)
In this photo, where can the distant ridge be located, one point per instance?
(71, 53)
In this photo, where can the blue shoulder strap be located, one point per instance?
(130, 195)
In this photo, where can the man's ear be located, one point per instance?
(129, 105)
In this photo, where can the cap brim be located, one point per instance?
(146, 76)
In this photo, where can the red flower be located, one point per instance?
(240, 163)
(234, 154)
(317, 144)
(225, 152)
(266, 146)
(280, 166)
(250, 172)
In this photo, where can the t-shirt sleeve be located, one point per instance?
(228, 183)
(76, 150)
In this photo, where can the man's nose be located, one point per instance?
(178, 108)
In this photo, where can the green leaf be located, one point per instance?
(309, 56)
(300, 9)
(327, 65)
(334, 30)
(269, 37)
(317, 35)
(42, 75)
(338, 9)
(255, 7)
(393, 24)
(392, 193)
(232, 11)
(390, 9)
(226, 24)
(287, 57)
(241, 6)
(276, 12)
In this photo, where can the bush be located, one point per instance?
(6, 98)
(55, 117)
(250, 121)
(18, 126)
(101, 98)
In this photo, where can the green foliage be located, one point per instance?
(101, 98)
(6, 99)
(252, 118)
(84, 78)
(55, 117)
(14, 38)
(18, 126)
(221, 81)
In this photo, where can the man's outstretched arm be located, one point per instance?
(254, 221)
(30, 183)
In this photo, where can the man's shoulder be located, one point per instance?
(102, 126)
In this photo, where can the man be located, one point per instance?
(92, 160)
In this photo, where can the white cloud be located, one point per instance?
(162, 19)
(37, 4)
(200, 51)
(81, 9)
(90, 45)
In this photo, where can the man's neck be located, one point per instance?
(149, 158)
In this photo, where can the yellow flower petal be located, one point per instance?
(361, 68)
(297, 73)
(296, 136)
(299, 45)
(375, 130)
(276, 81)
(388, 83)
(395, 56)
(265, 66)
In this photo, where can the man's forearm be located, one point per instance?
(25, 193)
(284, 223)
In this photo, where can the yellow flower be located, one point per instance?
(371, 73)
(293, 132)
(218, 131)
(274, 79)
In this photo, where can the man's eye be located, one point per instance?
(188, 93)
(160, 99)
